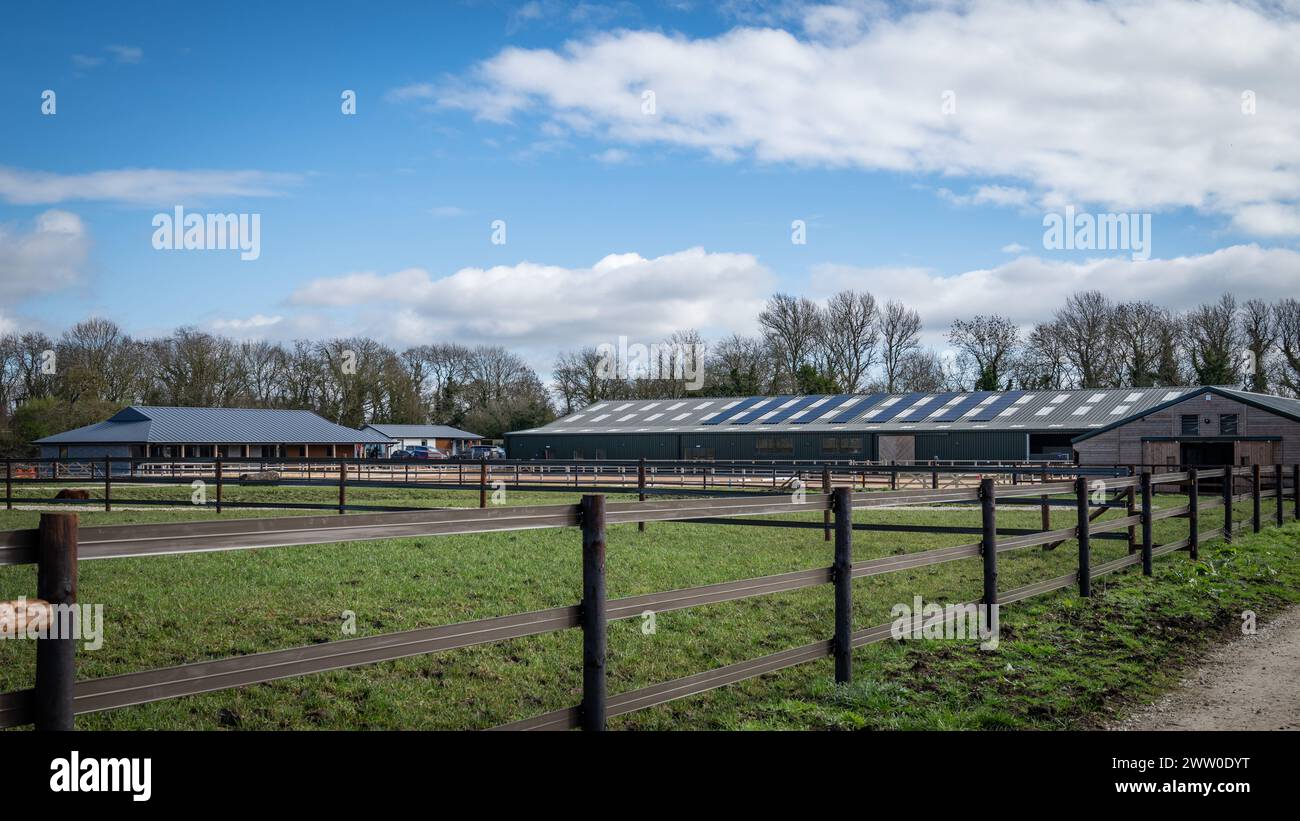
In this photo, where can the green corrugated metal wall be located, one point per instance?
(960, 445)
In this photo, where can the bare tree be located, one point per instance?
(1259, 335)
(1139, 332)
(923, 370)
(1213, 337)
(1286, 314)
(988, 345)
(1085, 329)
(579, 379)
(900, 331)
(740, 366)
(791, 326)
(1043, 365)
(850, 330)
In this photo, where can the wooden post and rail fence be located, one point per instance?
(58, 545)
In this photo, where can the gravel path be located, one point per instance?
(1247, 684)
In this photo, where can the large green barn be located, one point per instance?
(980, 425)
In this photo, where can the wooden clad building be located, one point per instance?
(1209, 426)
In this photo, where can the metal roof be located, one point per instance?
(1281, 405)
(140, 424)
(423, 432)
(1063, 411)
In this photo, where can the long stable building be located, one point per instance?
(979, 425)
(178, 433)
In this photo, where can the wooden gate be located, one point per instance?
(896, 448)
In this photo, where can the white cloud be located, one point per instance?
(540, 309)
(47, 258)
(1000, 195)
(1269, 220)
(1029, 289)
(1014, 248)
(127, 54)
(612, 156)
(255, 324)
(414, 91)
(139, 186)
(443, 211)
(1125, 104)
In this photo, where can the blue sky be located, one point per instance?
(530, 113)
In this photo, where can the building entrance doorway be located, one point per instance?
(1206, 454)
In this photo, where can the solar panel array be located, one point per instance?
(1051, 410)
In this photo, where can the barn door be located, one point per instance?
(1160, 454)
(896, 448)
(1254, 453)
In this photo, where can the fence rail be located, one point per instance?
(57, 547)
(644, 477)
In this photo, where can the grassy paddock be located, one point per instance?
(1063, 662)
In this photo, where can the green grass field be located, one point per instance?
(1064, 661)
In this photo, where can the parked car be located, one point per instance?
(485, 452)
(419, 452)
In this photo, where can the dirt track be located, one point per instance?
(1247, 684)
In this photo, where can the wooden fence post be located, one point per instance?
(108, 485)
(1295, 488)
(1229, 486)
(1277, 486)
(1146, 523)
(1193, 514)
(1131, 510)
(482, 483)
(842, 501)
(640, 488)
(593, 613)
(989, 544)
(893, 474)
(1085, 557)
(220, 474)
(56, 583)
(1255, 498)
(9, 484)
(343, 487)
(826, 514)
(934, 475)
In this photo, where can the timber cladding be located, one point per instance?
(1259, 436)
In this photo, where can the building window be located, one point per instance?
(1228, 424)
(775, 445)
(1191, 424)
(839, 444)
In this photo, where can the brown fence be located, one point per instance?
(57, 546)
(676, 478)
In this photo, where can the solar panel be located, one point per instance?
(918, 411)
(996, 406)
(893, 410)
(783, 415)
(730, 412)
(822, 410)
(770, 404)
(859, 407)
(961, 408)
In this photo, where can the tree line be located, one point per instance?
(853, 343)
(848, 343)
(94, 369)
